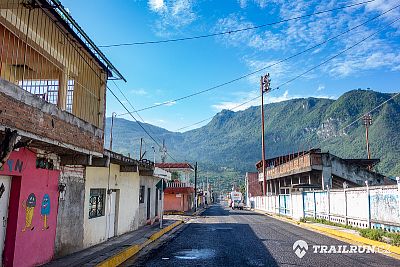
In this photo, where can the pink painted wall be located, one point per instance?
(173, 203)
(28, 241)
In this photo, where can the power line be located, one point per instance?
(235, 107)
(372, 110)
(141, 126)
(266, 67)
(307, 71)
(237, 30)
(127, 100)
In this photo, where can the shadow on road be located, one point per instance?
(211, 241)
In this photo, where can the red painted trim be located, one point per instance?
(11, 230)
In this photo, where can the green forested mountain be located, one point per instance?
(229, 144)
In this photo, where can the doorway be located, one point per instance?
(148, 203)
(156, 204)
(5, 185)
(112, 218)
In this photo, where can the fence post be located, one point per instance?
(369, 206)
(398, 191)
(304, 208)
(279, 204)
(315, 207)
(345, 205)
(329, 203)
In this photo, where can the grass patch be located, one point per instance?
(373, 234)
(324, 221)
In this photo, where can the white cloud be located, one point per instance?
(277, 71)
(320, 87)
(140, 92)
(378, 52)
(166, 103)
(242, 97)
(173, 15)
(260, 3)
(157, 5)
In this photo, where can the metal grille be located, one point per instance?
(40, 53)
(96, 203)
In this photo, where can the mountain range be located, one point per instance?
(230, 144)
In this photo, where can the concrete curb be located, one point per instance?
(343, 236)
(130, 251)
(197, 213)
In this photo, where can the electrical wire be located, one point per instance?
(369, 112)
(235, 31)
(141, 126)
(266, 67)
(307, 71)
(127, 100)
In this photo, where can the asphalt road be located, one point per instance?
(222, 237)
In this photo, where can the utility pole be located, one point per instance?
(163, 151)
(367, 122)
(113, 115)
(140, 151)
(264, 88)
(195, 186)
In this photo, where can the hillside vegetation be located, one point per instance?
(229, 145)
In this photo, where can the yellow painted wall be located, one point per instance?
(35, 48)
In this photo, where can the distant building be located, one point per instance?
(253, 187)
(179, 194)
(314, 169)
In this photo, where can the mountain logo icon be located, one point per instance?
(300, 248)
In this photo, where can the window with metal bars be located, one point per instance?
(45, 89)
(96, 203)
(70, 95)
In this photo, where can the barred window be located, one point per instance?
(96, 203)
(141, 194)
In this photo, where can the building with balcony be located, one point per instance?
(179, 194)
(314, 169)
(53, 82)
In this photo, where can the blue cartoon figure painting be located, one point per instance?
(45, 210)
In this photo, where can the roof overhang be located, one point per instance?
(57, 10)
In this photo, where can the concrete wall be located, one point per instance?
(33, 115)
(96, 230)
(363, 207)
(172, 202)
(148, 182)
(351, 172)
(69, 236)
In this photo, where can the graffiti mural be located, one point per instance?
(2, 189)
(29, 206)
(45, 210)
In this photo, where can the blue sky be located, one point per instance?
(160, 72)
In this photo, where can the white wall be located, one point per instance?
(148, 182)
(127, 183)
(375, 207)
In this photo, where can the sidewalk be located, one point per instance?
(347, 235)
(117, 249)
(187, 213)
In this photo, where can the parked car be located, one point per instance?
(237, 204)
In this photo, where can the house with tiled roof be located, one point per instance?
(179, 194)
